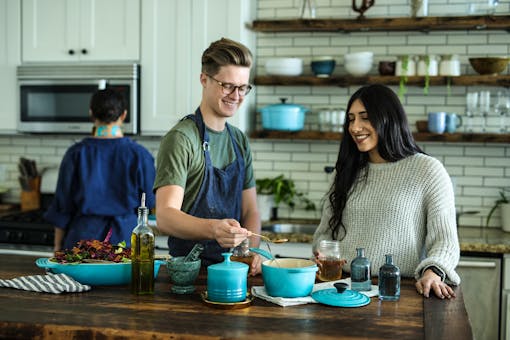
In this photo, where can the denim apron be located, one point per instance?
(219, 196)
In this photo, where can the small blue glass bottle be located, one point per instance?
(360, 272)
(389, 280)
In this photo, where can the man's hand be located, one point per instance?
(228, 232)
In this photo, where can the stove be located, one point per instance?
(28, 227)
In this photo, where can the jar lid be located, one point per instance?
(228, 265)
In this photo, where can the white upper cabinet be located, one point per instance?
(9, 59)
(174, 35)
(80, 30)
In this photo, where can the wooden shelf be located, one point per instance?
(419, 136)
(343, 81)
(424, 24)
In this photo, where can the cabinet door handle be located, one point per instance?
(71, 52)
(477, 264)
(84, 51)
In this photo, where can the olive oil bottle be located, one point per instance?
(142, 254)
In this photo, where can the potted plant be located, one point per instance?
(273, 191)
(504, 203)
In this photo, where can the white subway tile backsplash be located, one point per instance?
(295, 166)
(485, 172)
(466, 161)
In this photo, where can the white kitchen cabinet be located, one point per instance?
(481, 288)
(505, 299)
(9, 58)
(80, 30)
(174, 35)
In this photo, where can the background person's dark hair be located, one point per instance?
(107, 105)
(395, 141)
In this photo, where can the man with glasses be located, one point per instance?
(205, 187)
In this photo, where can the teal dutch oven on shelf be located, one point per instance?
(283, 116)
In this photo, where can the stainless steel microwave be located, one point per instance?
(56, 98)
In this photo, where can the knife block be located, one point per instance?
(31, 200)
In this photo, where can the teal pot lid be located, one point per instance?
(349, 298)
(284, 107)
(228, 265)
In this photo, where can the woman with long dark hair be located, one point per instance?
(389, 197)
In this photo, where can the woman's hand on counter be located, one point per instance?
(430, 281)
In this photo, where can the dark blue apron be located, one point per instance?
(219, 196)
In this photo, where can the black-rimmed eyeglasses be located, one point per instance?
(229, 88)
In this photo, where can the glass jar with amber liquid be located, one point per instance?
(329, 261)
(242, 253)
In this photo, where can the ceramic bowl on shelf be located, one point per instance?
(358, 68)
(284, 66)
(493, 65)
(323, 67)
(358, 63)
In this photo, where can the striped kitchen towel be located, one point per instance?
(49, 283)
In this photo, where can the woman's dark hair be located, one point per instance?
(395, 142)
(107, 105)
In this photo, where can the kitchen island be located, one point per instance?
(113, 313)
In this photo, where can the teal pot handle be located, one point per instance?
(262, 252)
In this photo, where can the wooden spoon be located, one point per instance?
(280, 240)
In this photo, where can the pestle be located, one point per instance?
(194, 253)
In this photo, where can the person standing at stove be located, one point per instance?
(205, 186)
(101, 179)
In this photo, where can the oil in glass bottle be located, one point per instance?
(360, 272)
(142, 254)
(389, 280)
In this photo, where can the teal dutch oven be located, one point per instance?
(287, 277)
(283, 116)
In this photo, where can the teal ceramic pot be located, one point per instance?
(283, 116)
(183, 274)
(227, 281)
(288, 277)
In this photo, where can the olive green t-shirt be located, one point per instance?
(181, 160)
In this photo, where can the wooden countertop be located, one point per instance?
(112, 312)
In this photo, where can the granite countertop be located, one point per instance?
(472, 239)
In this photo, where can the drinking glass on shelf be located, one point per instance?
(485, 106)
(471, 106)
(502, 108)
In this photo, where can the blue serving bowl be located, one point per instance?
(323, 67)
(95, 274)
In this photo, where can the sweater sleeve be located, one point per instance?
(441, 242)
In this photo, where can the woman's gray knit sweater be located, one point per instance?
(404, 208)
